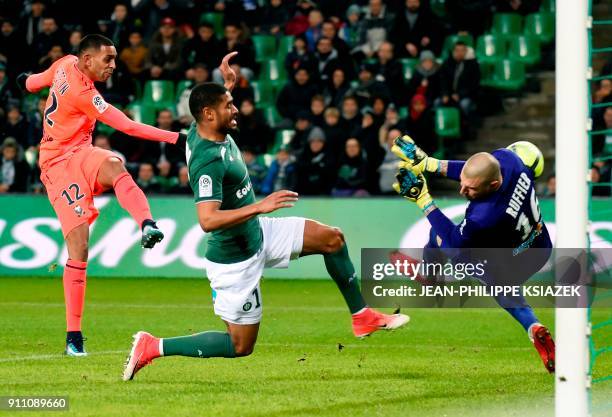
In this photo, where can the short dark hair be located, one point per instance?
(94, 41)
(205, 95)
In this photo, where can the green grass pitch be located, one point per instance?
(445, 363)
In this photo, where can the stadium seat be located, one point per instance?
(402, 112)
(215, 19)
(273, 70)
(541, 25)
(525, 49)
(142, 113)
(450, 41)
(285, 44)
(263, 91)
(448, 122)
(507, 75)
(181, 86)
(158, 94)
(438, 7)
(506, 24)
(408, 65)
(548, 6)
(265, 47)
(271, 115)
(490, 48)
(282, 137)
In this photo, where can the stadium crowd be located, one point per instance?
(345, 98)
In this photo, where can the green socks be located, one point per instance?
(340, 268)
(200, 345)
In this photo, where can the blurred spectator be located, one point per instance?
(171, 153)
(281, 174)
(604, 92)
(367, 135)
(351, 118)
(419, 124)
(522, 7)
(35, 126)
(313, 33)
(334, 135)
(296, 95)
(56, 52)
(16, 127)
(6, 90)
(73, 42)
(329, 31)
(253, 130)
(376, 22)
(146, 179)
(602, 144)
(30, 24)
(327, 60)
(120, 26)
(164, 176)
(315, 172)
(388, 168)
(352, 172)
(236, 41)
(389, 70)
(353, 32)
(274, 16)
(12, 46)
(102, 141)
(336, 88)
(426, 78)
(300, 57)
(14, 171)
(551, 186)
(256, 170)
(298, 24)
(134, 56)
(598, 189)
(368, 87)
(152, 13)
(413, 30)
(473, 16)
(164, 58)
(182, 185)
(203, 48)
(460, 79)
(50, 35)
(199, 75)
(302, 130)
(317, 107)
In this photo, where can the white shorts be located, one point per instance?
(236, 294)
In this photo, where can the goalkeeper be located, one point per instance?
(503, 212)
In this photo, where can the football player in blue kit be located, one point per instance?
(503, 212)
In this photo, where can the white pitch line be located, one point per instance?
(58, 356)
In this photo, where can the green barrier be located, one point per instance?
(31, 242)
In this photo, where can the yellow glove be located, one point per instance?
(412, 187)
(406, 149)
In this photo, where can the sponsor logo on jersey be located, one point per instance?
(205, 187)
(240, 193)
(99, 103)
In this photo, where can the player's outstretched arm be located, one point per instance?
(212, 218)
(35, 82)
(119, 121)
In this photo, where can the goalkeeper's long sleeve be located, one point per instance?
(453, 170)
(452, 235)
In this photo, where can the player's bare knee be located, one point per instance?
(115, 166)
(335, 240)
(78, 250)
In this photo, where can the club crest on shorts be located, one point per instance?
(205, 188)
(79, 211)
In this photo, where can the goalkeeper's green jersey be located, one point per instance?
(218, 173)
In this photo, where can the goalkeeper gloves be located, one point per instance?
(412, 187)
(405, 148)
(21, 81)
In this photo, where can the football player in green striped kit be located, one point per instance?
(242, 244)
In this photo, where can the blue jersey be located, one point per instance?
(507, 218)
